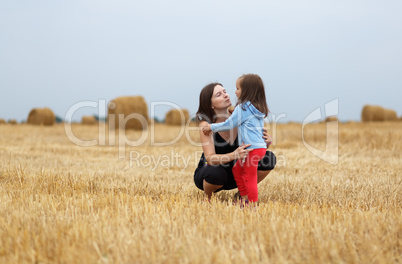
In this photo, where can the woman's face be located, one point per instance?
(220, 99)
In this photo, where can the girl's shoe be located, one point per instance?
(243, 202)
(240, 201)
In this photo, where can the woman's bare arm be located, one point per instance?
(208, 147)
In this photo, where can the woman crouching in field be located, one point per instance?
(221, 149)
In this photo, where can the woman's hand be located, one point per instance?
(241, 152)
(267, 138)
(206, 129)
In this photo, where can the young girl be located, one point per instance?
(248, 115)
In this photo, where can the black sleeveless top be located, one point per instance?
(221, 147)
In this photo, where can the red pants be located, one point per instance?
(245, 174)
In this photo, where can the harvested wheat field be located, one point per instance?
(64, 203)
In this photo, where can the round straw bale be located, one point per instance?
(177, 117)
(121, 107)
(372, 113)
(12, 122)
(390, 115)
(331, 119)
(88, 120)
(2, 121)
(41, 116)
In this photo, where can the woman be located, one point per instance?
(221, 149)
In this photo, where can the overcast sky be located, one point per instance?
(58, 53)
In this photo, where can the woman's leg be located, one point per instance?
(266, 165)
(261, 175)
(210, 179)
(210, 188)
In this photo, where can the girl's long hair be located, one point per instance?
(205, 111)
(252, 89)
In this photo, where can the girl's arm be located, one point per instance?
(208, 147)
(233, 121)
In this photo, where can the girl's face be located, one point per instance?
(238, 89)
(220, 99)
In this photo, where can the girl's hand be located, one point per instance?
(230, 110)
(206, 129)
(266, 137)
(241, 152)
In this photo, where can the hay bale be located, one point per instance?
(390, 115)
(88, 120)
(41, 116)
(2, 121)
(12, 122)
(372, 113)
(175, 117)
(126, 105)
(377, 113)
(331, 119)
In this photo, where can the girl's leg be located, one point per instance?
(238, 174)
(250, 167)
(261, 175)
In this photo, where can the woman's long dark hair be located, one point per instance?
(205, 111)
(252, 89)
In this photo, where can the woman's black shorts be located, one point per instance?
(222, 175)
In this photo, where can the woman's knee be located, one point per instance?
(215, 175)
(268, 162)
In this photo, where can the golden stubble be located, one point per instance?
(63, 203)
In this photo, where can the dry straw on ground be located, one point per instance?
(62, 203)
(88, 120)
(41, 116)
(377, 113)
(177, 117)
(121, 107)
